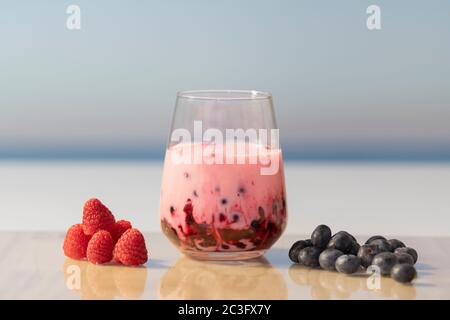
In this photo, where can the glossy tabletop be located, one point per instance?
(33, 267)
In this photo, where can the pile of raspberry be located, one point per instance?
(101, 239)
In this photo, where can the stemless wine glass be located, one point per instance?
(223, 192)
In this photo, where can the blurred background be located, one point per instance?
(364, 116)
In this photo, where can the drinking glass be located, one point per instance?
(223, 192)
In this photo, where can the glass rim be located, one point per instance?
(224, 95)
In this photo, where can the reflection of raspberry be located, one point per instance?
(76, 242)
(96, 216)
(119, 228)
(100, 247)
(130, 248)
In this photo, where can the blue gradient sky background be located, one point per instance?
(341, 91)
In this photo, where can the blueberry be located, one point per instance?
(382, 245)
(348, 234)
(408, 250)
(223, 201)
(354, 248)
(296, 247)
(348, 264)
(309, 256)
(366, 254)
(328, 257)
(320, 236)
(396, 244)
(374, 238)
(385, 261)
(404, 258)
(342, 241)
(403, 273)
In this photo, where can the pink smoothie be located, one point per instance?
(222, 207)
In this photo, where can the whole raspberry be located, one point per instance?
(96, 216)
(100, 247)
(76, 242)
(119, 228)
(130, 249)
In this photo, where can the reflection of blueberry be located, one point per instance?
(222, 217)
(172, 209)
(217, 189)
(235, 217)
(186, 175)
(223, 201)
(195, 193)
(241, 190)
(225, 246)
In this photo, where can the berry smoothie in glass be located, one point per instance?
(223, 191)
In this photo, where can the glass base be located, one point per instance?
(224, 255)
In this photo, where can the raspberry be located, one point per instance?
(130, 249)
(76, 242)
(119, 228)
(100, 247)
(96, 216)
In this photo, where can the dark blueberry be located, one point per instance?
(342, 241)
(235, 217)
(321, 236)
(172, 209)
(382, 245)
(223, 201)
(366, 254)
(348, 264)
(408, 250)
(396, 244)
(374, 238)
(403, 273)
(240, 245)
(385, 261)
(404, 258)
(309, 256)
(222, 217)
(354, 248)
(328, 257)
(347, 233)
(255, 224)
(195, 193)
(296, 247)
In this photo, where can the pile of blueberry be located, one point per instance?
(341, 252)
